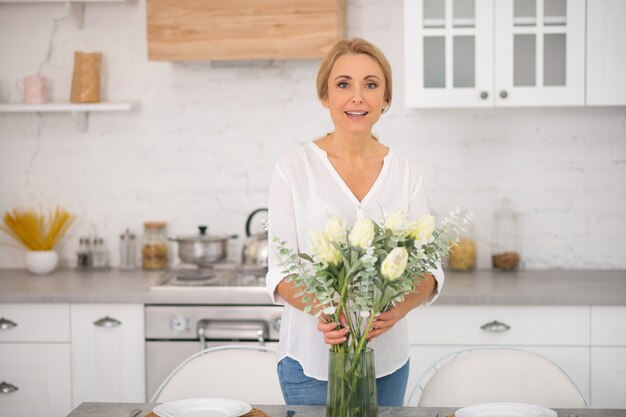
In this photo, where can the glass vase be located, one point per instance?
(351, 384)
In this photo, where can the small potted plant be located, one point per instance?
(38, 235)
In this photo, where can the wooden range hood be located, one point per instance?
(192, 30)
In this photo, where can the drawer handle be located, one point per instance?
(495, 327)
(6, 388)
(6, 324)
(107, 322)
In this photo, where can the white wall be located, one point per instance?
(201, 147)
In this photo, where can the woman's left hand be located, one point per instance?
(386, 321)
(389, 318)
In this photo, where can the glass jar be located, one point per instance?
(83, 254)
(462, 256)
(128, 245)
(99, 254)
(505, 248)
(154, 252)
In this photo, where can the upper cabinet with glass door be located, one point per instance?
(539, 52)
(481, 53)
(448, 49)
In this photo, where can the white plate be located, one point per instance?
(202, 407)
(505, 410)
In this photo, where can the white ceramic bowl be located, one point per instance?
(41, 262)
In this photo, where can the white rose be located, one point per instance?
(336, 230)
(395, 263)
(422, 228)
(362, 233)
(323, 249)
(396, 222)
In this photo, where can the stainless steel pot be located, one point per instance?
(202, 249)
(255, 247)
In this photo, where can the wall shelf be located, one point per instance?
(80, 112)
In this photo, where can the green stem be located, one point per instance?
(354, 365)
(363, 340)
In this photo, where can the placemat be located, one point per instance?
(255, 412)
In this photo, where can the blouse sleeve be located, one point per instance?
(418, 206)
(281, 224)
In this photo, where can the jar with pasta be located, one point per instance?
(155, 248)
(462, 256)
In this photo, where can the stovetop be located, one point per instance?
(192, 277)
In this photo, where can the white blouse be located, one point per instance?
(305, 189)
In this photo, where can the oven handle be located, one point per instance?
(232, 329)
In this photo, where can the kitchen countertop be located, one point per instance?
(123, 409)
(481, 287)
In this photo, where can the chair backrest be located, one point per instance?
(244, 373)
(485, 375)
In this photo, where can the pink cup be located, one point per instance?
(34, 89)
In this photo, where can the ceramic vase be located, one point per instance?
(41, 262)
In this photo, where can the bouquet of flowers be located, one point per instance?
(364, 271)
(357, 274)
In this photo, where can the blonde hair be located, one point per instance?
(353, 46)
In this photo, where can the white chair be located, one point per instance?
(244, 373)
(486, 375)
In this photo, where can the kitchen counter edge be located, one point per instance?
(480, 287)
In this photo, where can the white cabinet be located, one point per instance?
(559, 333)
(35, 360)
(108, 355)
(608, 357)
(606, 52)
(483, 53)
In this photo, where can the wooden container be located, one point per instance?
(86, 77)
(243, 29)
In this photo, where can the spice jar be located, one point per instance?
(154, 251)
(99, 254)
(462, 256)
(505, 253)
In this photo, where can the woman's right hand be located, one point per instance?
(334, 333)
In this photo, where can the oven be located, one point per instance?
(174, 332)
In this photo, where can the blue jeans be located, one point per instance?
(299, 389)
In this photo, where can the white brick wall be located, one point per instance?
(202, 145)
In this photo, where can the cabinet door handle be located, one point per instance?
(6, 324)
(7, 388)
(504, 94)
(107, 322)
(484, 95)
(495, 327)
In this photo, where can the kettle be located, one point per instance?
(255, 247)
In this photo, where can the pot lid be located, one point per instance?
(202, 236)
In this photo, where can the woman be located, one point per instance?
(348, 174)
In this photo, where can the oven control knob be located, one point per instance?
(179, 324)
